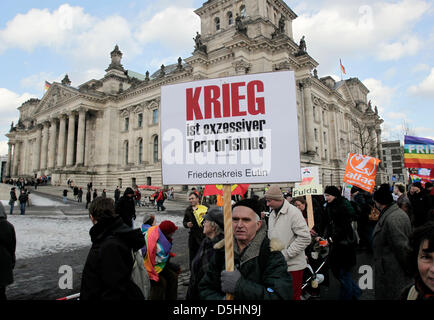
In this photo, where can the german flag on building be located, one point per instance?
(418, 152)
(47, 85)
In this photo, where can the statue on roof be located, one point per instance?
(147, 76)
(315, 73)
(66, 80)
(302, 45)
(179, 66)
(239, 25)
(376, 110)
(162, 70)
(282, 24)
(199, 46)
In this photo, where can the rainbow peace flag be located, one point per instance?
(418, 152)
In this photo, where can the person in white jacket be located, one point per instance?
(287, 224)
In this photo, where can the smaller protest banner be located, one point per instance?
(308, 186)
(361, 171)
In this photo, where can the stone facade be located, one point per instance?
(107, 130)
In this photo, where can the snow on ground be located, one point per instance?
(43, 235)
(39, 201)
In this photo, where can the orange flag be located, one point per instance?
(361, 171)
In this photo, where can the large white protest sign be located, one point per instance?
(240, 129)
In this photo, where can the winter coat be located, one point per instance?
(126, 208)
(196, 232)
(107, 271)
(23, 198)
(263, 271)
(421, 205)
(390, 244)
(200, 265)
(337, 226)
(7, 249)
(117, 194)
(88, 197)
(13, 196)
(289, 226)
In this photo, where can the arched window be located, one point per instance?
(217, 23)
(243, 11)
(126, 152)
(140, 145)
(230, 18)
(155, 149)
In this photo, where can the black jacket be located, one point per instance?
(7, 250)
(421, 204)
(196, 232)
(126, 208)
(88, 196)
(336, 224)
(13, 196)
(107, 272)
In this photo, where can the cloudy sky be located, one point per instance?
(388, 45)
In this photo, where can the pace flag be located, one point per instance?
(418, 152)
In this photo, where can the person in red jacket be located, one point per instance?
(160, 201)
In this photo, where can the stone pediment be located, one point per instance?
(54, 98)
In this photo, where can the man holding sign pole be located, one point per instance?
(287, 224)
(260, 268)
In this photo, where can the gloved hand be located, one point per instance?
(229, 280)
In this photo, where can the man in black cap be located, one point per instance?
(126, 207)
(390, 246)
(260, 268)
(213, 227)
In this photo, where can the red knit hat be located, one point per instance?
(167, 227)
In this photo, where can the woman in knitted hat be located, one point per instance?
(336, 224)
(156, 254)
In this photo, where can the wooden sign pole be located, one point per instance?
(310, 218)
(229, 238)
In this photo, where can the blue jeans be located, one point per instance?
(349, 289)
(12, 208)
(23, 208)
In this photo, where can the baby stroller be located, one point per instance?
(315, 272)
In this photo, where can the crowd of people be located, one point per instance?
(272, 245)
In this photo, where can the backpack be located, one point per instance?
(164, 196)
(139, 275)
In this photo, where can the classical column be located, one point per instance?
(61, 142)
(37, 149)
(16, 158)
(9, 163)
(81, 136)
(71, 138)
(308, 113)
(52, 144)
(44, 148)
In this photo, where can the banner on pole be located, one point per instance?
(361, 171)
(230, 130)
(418, 152)
(310, 183)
